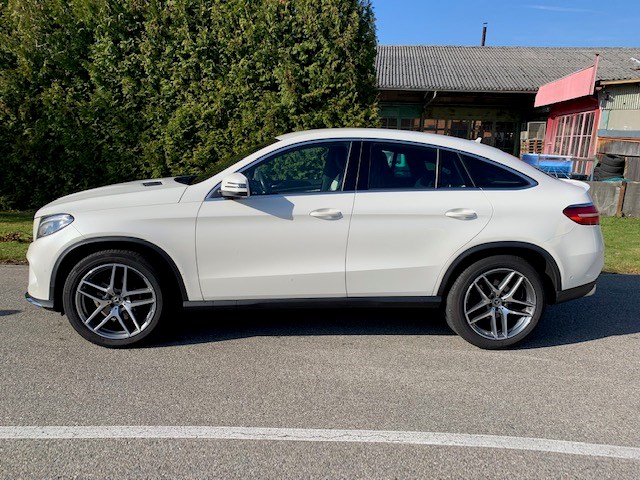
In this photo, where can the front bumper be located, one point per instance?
(42, 256)
(47, 304)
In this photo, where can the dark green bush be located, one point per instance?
(95, 92)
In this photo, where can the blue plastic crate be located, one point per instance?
(556, 165)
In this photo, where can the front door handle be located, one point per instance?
(327, 214)
(462, 214)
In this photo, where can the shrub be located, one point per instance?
(95, 92)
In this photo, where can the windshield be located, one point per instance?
(224, 163)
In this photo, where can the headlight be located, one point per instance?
(53, 223)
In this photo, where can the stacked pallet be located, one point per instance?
(535, 145)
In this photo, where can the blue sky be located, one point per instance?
(544, 23)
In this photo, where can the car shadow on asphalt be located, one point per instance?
(229, 324)
(613, 310)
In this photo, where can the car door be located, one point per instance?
(288, 238)
(414, 208)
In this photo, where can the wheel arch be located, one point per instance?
(537, 257)
(70, 257)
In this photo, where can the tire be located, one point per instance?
(611, 170)
(599, 175)
(113, 298)
(474, 306)
(612, 161)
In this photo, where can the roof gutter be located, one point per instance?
(619, 82)
(452, 90)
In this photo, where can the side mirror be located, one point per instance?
(235, 185)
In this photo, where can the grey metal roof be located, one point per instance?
(494, 69)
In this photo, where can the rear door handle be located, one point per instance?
(462, 214)
(327, 214)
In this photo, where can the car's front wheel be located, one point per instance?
(496, 302)
(113, 298)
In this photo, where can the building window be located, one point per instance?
(504, 138)
(410, 124)
(573, 134)
(498, 134)
(402, 117)
(482, 129)
(389, 122)
(401, 123)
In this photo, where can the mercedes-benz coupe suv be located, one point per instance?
(335, 216)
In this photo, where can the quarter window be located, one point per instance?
(491, 176)
(309, 168)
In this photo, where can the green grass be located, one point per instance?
(621, 237)
(622, 244)
(15, 236)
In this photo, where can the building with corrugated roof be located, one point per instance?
(489, 92)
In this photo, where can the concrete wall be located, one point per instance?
(631, 207)
(624, 120)
(606, 196)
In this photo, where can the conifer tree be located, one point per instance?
(102, 91)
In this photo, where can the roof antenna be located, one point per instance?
(484, 34)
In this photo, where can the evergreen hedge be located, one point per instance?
(94, 92)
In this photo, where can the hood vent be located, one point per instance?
(151, 184)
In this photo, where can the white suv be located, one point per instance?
(357, 216)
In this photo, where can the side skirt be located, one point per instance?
(394, 302)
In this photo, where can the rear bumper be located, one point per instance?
(576, 292)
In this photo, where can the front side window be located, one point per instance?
(309, 168)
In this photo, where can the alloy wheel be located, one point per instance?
(115, 301)
(499, 304)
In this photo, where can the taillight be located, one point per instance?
(586, 214)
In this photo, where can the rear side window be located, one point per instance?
(488, 175)
(451, 173)
(402, 166)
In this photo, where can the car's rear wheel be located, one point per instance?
(496, 302)
(113, 298)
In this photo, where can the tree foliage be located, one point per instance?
(97, 91)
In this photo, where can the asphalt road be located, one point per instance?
(577, 379)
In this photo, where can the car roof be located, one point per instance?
(382, 133)
(446, 141)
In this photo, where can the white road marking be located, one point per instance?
(318, 435)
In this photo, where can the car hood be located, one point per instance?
(159, 191)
